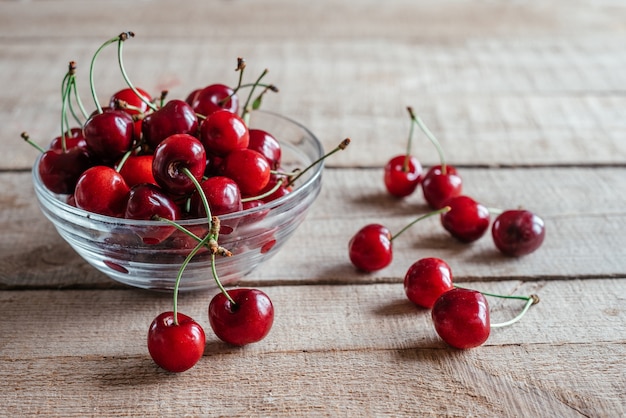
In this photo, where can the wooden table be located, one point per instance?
(528, 100)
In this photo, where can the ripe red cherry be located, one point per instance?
(402, 175)
(175, 348)
(147, 201)
(279, 191)
(249, 169)
(137, 169)
(109, 134)
(461, 318)
(426, 280)
(171, 156)
(265, 143)
(467, 220)
(74, 138)
(212, 98)
(223, 196)
(101, 189)
(370, 249)
(518, 232)
(176, 117)
(60, 171)
(438, 185)
(135, 106)
(248, 321)
(223, 132)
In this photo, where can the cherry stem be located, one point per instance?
(181, 270)
(91, 71)
(217, 280)
(245, 115)
(530, 301)
(343, 145)
(66, 90)
(241, 65)
(431, 137)
(409, 142)
(205, 201)
(428, 215)
(79, 102)
(266, 194)
(123, 37)
(26, 138)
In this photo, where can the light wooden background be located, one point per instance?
(528, 99)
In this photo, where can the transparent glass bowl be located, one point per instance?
(115, 247)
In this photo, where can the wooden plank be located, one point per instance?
(348, 349)
(581, 239)
(490, 102)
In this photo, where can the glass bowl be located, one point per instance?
(115, 247)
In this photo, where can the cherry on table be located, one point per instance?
(246, 321)
(518, 232)
(370, 249)
(402, 175)
(441, 183)
(175, 347)
(461, 318)
(426, 280)
(467, 220)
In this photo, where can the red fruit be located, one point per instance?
(279, 192)
(249, 169)
(438, 187)
(247, 321)
(73, 139)
(174, 154)
(265, 143)
(461, 318)
(223, 132)
(176, 117)
(175, 348)
(518, 232)
(467, 220)
(370, 248)
(60, 171)
(136, 106)
(109, 134)
(426, 280)
(223, 196)
(137, 169)
(212, 98)
(101, 189)
(402, 176)
(147, 201)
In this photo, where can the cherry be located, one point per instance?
(128, 101)
(73, 139)
(249, 169)
(137, 169)
(222, 194)
(176, 117)
(274, 190)
(371, 249)
(146, 202)
(518, 232)
(266, 144)
(247, 320)
(467, 220)
(59, 171)
(174, 158)
(461, 318)
(426, 280)
(101, 189)
(213, 98)
(439, 185)
(175, 346)
(403, 173)
(109, 134)
(223, 132)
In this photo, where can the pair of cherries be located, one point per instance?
(460, 315)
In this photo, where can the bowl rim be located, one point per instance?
(54, 199)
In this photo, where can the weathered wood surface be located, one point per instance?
(527, 99)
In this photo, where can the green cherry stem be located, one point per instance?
(245, 115)
(205, 201)
(123, 37)
(431, 137)
(26, 138)
(343, 145)
(409, 143)
(78, 100)
(428, 215)
(91, 71)
(266, 194)
(530, 301)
